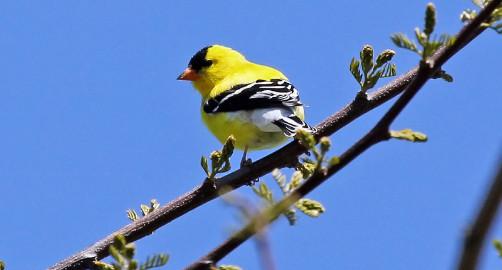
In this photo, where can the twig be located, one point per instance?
(476, 235)
(379, 133)
(203, 194)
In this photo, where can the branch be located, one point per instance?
(280, 158)
(475, 235)
(378, 133)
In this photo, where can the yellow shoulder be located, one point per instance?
(244, 74)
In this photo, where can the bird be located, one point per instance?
(255, 103)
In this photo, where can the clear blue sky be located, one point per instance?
(93, 122)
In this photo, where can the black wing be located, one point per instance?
(258, 95)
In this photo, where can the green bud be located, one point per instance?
(325, 144)
(430, 19)
(333, 161)
(305, 138)
(367, 58)
(215, 156)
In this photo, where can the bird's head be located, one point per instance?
(210, 65)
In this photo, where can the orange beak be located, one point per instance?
(188, 75)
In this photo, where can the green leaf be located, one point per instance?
(144, 209)
(228, 147)
(497, 28)
(307, 168)
(99, 265)
(408, 135)
(388, 70)
(154, 205)
(203, 164)
(132, 215)
(467, 15)
(402, 41)
(157, 260)
(421, 37)
(310, 207)
(296, 180)
(128, 251)
(384, 57)
(226, 167)
(280, 179)
(443, 75)
(354, 69)
(430, 19)
(119, 242)
(264, 192)
(115, 253)
(2, 265)
(371, 81)
(498, 246)
(229, 267)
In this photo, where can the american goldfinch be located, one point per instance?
(254, 103)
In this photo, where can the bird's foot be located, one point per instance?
(247, 163)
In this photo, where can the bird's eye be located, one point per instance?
(199, 60)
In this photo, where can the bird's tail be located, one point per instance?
(291, 124)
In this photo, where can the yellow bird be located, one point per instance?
(255, 103)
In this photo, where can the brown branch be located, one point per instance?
(476, 235)
(205, 193)
(378, 133)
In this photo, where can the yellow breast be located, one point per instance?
(222, 125)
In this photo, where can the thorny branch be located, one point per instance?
(378, 133)
(280, 158)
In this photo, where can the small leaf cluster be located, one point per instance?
(429, 44)
(2, 265)
(366, 71)
(305, 169)
(495, 21)
(123, 254)
(309, 166)
(145, 210)
(498, 246)
(408, 135)
(220, 160)
(309, 207)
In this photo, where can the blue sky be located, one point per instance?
(93, 122)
